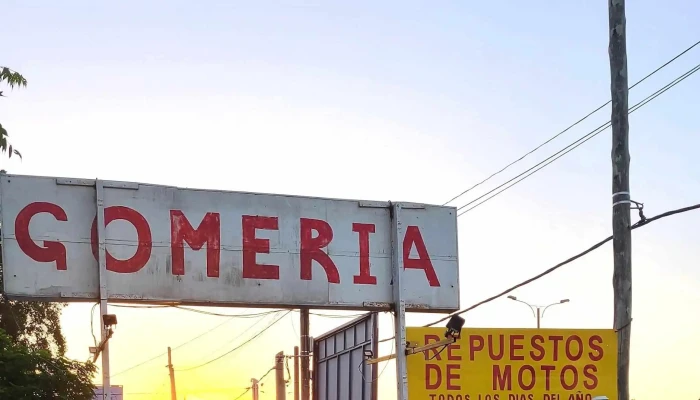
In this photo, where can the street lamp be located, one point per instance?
(540, 309)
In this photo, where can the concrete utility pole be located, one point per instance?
(173, 394)
(296, 372)
(622, 235)
(305, 353)
(279, 376)
(256, 389)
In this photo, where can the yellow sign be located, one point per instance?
(514, 364)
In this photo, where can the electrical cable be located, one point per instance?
(244, 393)
(289, 375)
(359, 367)
(642, 222)
(228, 315)
(438, 352)
(92, 323)
(237, 347)
(294, 329)
(337, 315)
(545, 163)
(231, 315)
(174, 348)
(236, 337)
(259, 380)
(542, 164)
(200, 311)
(569, 127)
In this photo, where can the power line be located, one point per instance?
(244, 393)
(236, 337)
(642, 222)
(567, 149)
(568, 128)
(174, 348)
(228, 315)
(250, 387)
(336, 315)
(194, 310)
(231, 315)
(237, 347)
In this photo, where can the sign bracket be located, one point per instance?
(413, 349)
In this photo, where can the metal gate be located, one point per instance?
(340, 372)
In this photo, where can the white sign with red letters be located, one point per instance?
(167, 244)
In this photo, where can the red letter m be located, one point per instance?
(209, 232)
(502, 380)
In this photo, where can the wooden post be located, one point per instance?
(173, 393)
(622, 235)
(279, 377)
(305, 353)
(296, 373)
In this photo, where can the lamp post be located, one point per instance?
(538, 311)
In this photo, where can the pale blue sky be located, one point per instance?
(383, 100)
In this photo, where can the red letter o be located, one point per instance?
(143, 233)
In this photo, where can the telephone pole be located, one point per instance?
(622, 235)
(279, 377)
(305, 352)
(256, 389)
(296, 372)
(173, 394)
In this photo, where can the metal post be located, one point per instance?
(539, 316)
(102, 273)
(305, 352)
(375, 350)
(173, 393)
(397, 232)
(279, 377)
(622, 236)
(296, 372)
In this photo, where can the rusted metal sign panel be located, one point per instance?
(167, 244)
(340, 372)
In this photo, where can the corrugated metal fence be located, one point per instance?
(340, 372)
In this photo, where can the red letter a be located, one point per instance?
(412, 237)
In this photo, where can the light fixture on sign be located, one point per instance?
(109, 321)
(454, 327)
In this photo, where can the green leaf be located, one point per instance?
(12, 78)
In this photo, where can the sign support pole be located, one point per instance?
(102, 272)
(397, 231)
